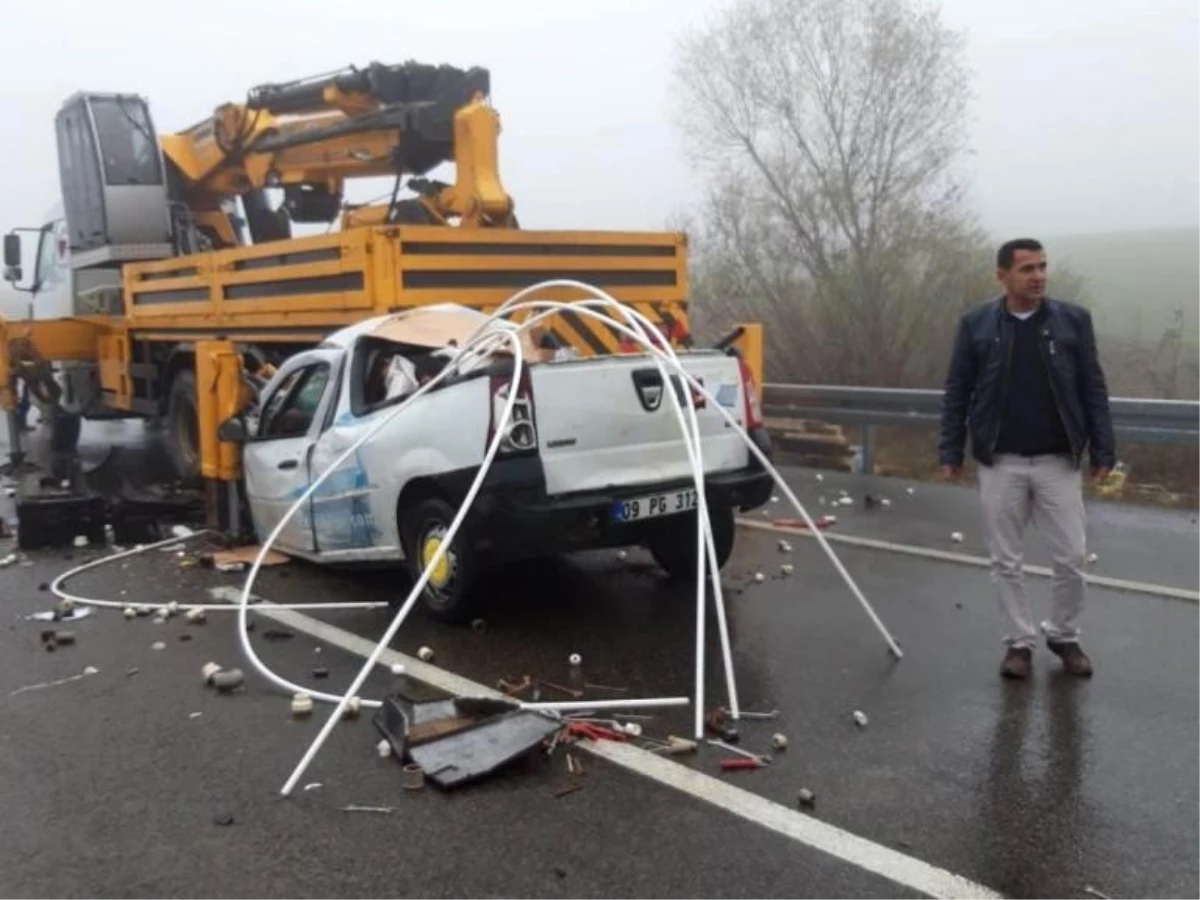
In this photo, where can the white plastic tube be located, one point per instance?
(56, 587)
(644, 332)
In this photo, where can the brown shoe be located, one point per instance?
(1017, 662)
(1075, 661)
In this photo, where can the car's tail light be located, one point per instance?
(754, 413)
(521, 434)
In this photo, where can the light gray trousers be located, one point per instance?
(1048, 489)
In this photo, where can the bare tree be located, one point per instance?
(830, 132)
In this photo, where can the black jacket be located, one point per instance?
(977, 383)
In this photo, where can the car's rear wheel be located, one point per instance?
(674, 545)
(447, 593)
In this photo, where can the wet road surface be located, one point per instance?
(1037, 789)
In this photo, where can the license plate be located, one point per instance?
(653, 505)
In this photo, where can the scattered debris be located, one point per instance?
(131, 671)
(715, 722)
(759, 577)
(81, 540)
(766, 514)
(195, 715)
(605, 687)
(381, 810)
(320, 672)
(633, 729)
(158, 645)
(956, 536)
(513, 689)
(88, 670)
(677, 746)
(1093, 558)
(313, 785)
(846, 501)
(575, 659)
(130, 612)
(820, 477)
(397, 669)
(1088, 889)
(910, 491)
(762, 716)
(302, 704)
(55, 615)
(760, 758)
(785, 547)
(774, 498)
(622, 554)
(425, 654)
(353, 708)
(383, 749)
(245, 556)
(413, 777)
(779, 741)
(569, 787)
(806, 798)
(229, 566)
(885, 502)
(228, 680)
(740, 763)
(570, 692)
(787, 569)
(277, 634)
(221, 819)
(181, 531)
(593, 732)
(860, 718)
(208, 670)
(195, 616)
(478, 625)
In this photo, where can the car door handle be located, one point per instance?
(289, 464)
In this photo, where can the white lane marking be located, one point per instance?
(982, 562)
(867, 855)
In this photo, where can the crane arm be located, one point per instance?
(308, 137)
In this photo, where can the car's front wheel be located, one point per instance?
(447, 593)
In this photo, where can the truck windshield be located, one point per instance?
(127, 143)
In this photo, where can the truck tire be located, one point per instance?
(447, 594)
(674, 547)
(183, 427)
(64, 431)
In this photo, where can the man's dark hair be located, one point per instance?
(1004, 258)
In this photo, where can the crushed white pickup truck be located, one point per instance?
(593, 456)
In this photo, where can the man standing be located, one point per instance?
(1025, 382)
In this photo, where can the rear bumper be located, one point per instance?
(513, 518)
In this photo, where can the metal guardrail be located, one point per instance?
(1134, 419)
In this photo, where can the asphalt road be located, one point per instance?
(1039, 789)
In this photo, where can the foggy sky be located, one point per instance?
(1087, 114)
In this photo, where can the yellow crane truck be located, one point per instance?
(172, 270)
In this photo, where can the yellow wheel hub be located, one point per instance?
(439, 577)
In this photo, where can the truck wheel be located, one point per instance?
(674, 547)
(64, 431)
(183, 427)
(446, 595)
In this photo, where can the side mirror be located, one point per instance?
(233, 431)
(12, 252)
(12, 273)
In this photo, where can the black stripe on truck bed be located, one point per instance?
(325, 284)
